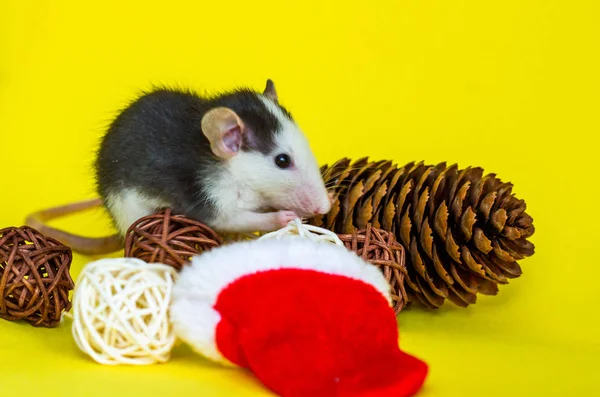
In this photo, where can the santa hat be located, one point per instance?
(308, 319)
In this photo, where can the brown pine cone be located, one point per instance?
(463, 232)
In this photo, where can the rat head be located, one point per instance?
(265, 152)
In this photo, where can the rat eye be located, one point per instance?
(283, 160)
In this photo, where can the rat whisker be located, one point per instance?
(332, 176)
(329, 174)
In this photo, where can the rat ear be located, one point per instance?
(224, 129)
(270, 91)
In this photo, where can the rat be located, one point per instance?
(236, 161)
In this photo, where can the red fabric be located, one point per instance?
(308, 333)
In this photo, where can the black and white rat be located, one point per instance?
(237, 162)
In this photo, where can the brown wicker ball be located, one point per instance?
(34, 277)
(169, 239)
(382, 250)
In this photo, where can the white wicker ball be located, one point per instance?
(121, 311)
(310, 232)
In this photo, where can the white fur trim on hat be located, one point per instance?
(200, 283)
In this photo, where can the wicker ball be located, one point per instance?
(382, 250)
(298, 229)
(34, 277)
(169, 239)
(121, 311)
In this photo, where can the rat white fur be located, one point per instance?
(198, 287)
(250, 181)
(129, 205)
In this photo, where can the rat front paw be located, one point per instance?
(284, 217)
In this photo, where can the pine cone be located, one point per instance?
(463, 232)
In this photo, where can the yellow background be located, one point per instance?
(511, 86)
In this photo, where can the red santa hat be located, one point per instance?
(308, 319)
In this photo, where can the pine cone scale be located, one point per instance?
(498, 219)
(524, 221)
(393, 183)
(456, 208)
(405, 228)
(454, 183)
(510, 269)
(486, 206)
(467, 220)
(481, 241)
(388, 216)
(435, 196)
(433, 300)
(460, 280)
(519, 248)
(451, 247)
(475, 193)
(515, 213)
(440, 270)
(468, 259)
(426, 239)
(402, 199)
(511, 233)
(492, 271)
(438, 289)
(500, 253)
(461, 298)
(420, 210)
(486, 287)
(441, 221)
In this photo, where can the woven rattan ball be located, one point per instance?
(298, 229)
(34, 277)
(121, 311)
(169, 239)
(382, 250)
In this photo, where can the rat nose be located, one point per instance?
(323, 208)
(311, 202)
(316, 210)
